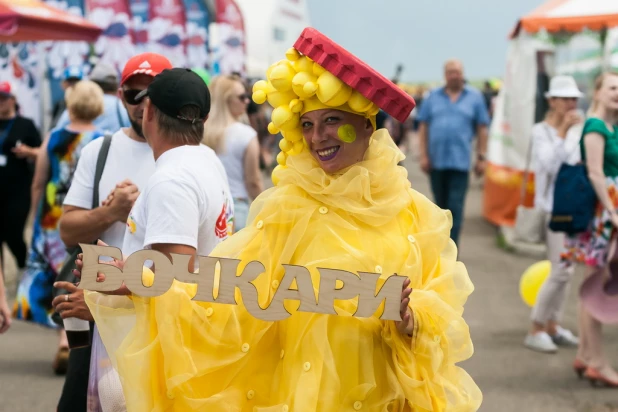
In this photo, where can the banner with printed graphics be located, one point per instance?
(115, 45)
(197, 18)
(62, 54)
(166, 30)
(139, 24)
(231, 50)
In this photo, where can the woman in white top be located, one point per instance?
(236, 143)
(555, 141)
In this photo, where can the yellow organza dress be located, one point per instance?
(174, 354)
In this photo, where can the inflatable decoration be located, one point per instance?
(532, 280)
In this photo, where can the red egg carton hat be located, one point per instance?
(355, 73)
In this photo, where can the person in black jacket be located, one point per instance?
(19, 146)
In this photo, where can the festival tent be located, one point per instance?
(31, 20)
(571, 16)
(576, 37)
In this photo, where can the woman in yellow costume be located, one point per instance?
(340, 201)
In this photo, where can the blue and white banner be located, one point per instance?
(197, 21)
(62, 54)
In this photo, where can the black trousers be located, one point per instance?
(14, 208)
(74, 397)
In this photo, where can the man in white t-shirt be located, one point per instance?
(128, 167)
(186, 207)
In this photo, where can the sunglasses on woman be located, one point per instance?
(130, 96)
(244, 97)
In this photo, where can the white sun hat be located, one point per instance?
(563, 86)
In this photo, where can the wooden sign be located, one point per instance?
(362, 285)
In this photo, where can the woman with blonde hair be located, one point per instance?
(55, 165)
(235, 143)
(599, 150)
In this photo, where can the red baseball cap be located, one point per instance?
(6, 89)
(150, 64)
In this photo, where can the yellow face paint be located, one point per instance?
(347, 133)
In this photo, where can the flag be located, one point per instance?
(231, 50)
(166, 30)
(197, 47)
(115, 46)
(62, 54)
(139, 25)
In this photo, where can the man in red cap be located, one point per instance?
(127, 168)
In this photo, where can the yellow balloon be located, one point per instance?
(292, 54)
(284, 119)
(285, 145)
(359, 103)
(532, 280)
(147, 277)
(277, 98)
(281, 158)
(304, 64)
(276, 171)
(299, 81)
(332, 91)
(281, 77)
(293, 135)
(259, 96)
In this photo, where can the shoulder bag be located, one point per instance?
(66, 272)
(575, 200)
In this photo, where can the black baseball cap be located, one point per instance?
(173, 89)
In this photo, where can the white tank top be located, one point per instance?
(237, 138)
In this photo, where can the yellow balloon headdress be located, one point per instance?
(297, 85)
(333, 79)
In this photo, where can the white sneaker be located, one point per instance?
(565, 337)
(540, 342)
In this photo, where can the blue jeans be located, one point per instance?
(449, 189)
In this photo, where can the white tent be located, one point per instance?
(577, 37)
(272, 27)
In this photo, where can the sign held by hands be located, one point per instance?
(166, 271)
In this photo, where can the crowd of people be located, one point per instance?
(567, 136)
(158, 158)
(172, 164)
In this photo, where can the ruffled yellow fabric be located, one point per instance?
(174, 354)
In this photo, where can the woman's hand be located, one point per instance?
(406, 325)
(571, 118)
(5, 315)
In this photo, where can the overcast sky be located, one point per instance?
(422, 34)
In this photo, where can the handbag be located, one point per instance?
(66, 272)
(574, 200)
(529, 221)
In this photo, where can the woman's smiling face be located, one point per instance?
(336, 139)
